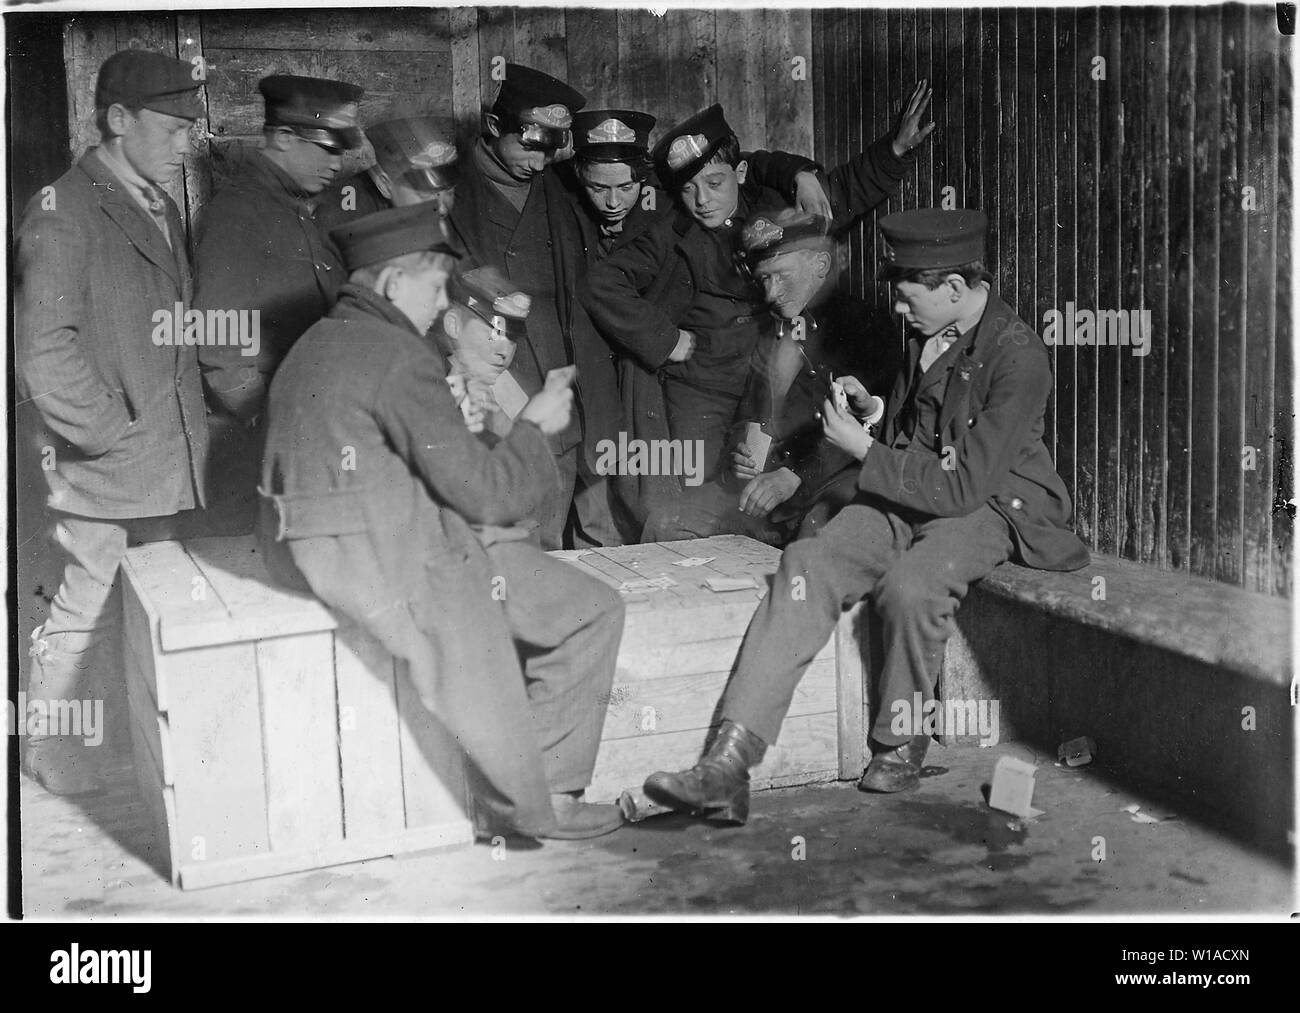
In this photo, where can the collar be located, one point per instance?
(280, 182)
(148, 195)
(358, 301)
(493, 170)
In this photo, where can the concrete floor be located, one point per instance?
(936, 851)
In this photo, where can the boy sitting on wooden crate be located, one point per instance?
(370, 485)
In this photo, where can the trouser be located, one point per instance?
(80, 636)
(916, 570)
(591, 515)
(701, 416)
(568, 627)
(706, 510)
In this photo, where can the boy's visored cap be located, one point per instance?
(138, 79)
(490, 295)
(926, 238)
(770, 235)
(612, 135)
(687, 147)
(417, 151)
(374, 238)
(542, 106)
(316, 108)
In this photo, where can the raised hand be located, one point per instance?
(909, 133)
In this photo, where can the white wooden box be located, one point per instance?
(269, 738)
(679, 646)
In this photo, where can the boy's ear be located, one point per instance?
(279, 138)
(389, 283)
(382, 183)
(742, 169)
(956, 285)
(117, 118)
(823, 264)
(492, 124)
(451, 323)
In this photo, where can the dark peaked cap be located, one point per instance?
(525, 89)
(612, 135)
(139, 79)
(926, 238)
(317, 108)
(374, 238)
(687, 147)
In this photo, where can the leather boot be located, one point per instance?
(59, 763)
(717, 787)
(895, 768)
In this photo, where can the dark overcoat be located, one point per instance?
(370, 483)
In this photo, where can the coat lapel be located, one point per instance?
(144, 235)
(970, 361)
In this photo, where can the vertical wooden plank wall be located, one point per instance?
(1158, 180)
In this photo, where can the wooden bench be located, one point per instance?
(1183, 683)
(253, 761)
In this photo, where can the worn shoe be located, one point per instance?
(59, 764)
(895, 768)
(576, 820)
(717, 787)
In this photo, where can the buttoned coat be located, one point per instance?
(370, 483)
(992, 419)
(122, 416)
(259, 248)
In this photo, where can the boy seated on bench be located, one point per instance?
(958, 481)
(371, 487)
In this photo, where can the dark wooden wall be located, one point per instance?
(1122, 192)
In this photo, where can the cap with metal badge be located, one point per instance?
(490, 295)
(416, 151)
(537, 106)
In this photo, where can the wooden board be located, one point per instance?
(370, 756)
(300, 746)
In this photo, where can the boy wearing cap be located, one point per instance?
(372, 490)
(259, 248)
(672, 300)
(518, 217)
(958, 481)
(415, 160)
(613, 186)
(784, 478)
(98, 254)
(480, 334)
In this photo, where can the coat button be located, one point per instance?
(1017, 503)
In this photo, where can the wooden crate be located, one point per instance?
(269, 738)
(679, 645)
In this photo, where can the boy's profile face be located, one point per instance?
(929, 310)
(483, 351)
(712, 195)
(791, 280)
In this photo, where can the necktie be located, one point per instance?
(157, 208)
(937, 345)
